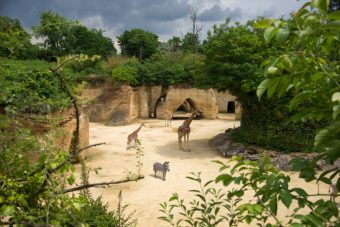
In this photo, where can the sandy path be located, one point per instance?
(160, 144)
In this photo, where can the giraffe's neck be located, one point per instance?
(138, 129)
(189, 120)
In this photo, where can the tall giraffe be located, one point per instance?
(132, 138)
(184, 131)
(167, 114)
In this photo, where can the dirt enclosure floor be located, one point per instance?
(159, 145)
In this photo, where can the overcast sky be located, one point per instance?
(166, 18)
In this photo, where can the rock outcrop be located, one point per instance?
(227, 148)
(121, 104)
(58, 127)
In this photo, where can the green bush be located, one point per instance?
(126, 72)
(29, 86)
(92, 213)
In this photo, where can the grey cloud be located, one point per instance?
(163, 17)
(216, 13)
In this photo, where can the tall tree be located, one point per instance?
(196, 29)
(90, 42)
(56, 30)
(63, 36)
(175, 43)
(14, 40)
(139, 43)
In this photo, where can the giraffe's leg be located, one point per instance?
(188, 141)
(180, 145)
(185, 143)
(128, 144)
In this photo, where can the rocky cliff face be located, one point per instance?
(120, 105)
(58, 127)
(205, 101)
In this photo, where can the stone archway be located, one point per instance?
(185, 109)
(204, 101)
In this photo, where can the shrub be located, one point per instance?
(111, 63)
(126, 72)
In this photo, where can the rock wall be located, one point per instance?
(122, 105)
(58, 127)
(205, 101)
(112, 105)
(223, 99)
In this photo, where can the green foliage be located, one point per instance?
(139, 155)
(311, 71)
(233, 61)
(138, 43)
(233, 55)
(35, 176)
(21, 179)
(63, 37)
(14, 40)
(170, 68)
(126, 72)
(270, 190)
(209, 207)
(109, 64)
(84, 67)
(175, 43)
(29, 86)
(91, 42)
(190, 43)
(57, 32)
(92, 212)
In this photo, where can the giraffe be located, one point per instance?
(132, 138)
(184, 131)
(167, 114)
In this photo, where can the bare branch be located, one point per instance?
(100, 184)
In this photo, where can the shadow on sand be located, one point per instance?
(157, 176)
(198, 149)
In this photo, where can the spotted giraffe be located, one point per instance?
(167, 114)
(184, 131)
(132, 138)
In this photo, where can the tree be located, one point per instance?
(36, 193)
(63, 37)
(233, 58)
(175, 43)
(310, 71)
(56, 31)
(138, 43)
(14, 40)
(169, 68)
(90, 42)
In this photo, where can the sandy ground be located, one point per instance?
(160, 144)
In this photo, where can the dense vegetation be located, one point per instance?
(284, 72)
(308, 69)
